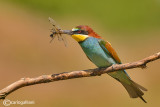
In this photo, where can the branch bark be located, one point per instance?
(74, 74)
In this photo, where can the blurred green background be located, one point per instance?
(132, 26)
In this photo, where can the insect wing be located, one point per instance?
(56, 31)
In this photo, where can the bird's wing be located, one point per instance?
(106, 46)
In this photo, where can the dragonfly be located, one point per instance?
(56, 31)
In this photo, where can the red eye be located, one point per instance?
(79, 31)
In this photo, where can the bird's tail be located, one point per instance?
(134, 90)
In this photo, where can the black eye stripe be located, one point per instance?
(80, 32)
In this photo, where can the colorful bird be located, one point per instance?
(101, 53)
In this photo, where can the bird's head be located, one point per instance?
(82, 32)
(79, 33)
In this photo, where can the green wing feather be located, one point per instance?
(133, 89)
(106, 46)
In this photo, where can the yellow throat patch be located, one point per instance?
(79, 37)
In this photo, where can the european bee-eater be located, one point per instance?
(101, 53)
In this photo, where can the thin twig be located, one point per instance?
(74, 74)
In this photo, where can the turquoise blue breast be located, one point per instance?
(95, 53)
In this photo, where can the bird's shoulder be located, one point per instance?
(107, 47)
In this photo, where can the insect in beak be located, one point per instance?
(57, 31)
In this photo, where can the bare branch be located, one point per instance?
(74, 74)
